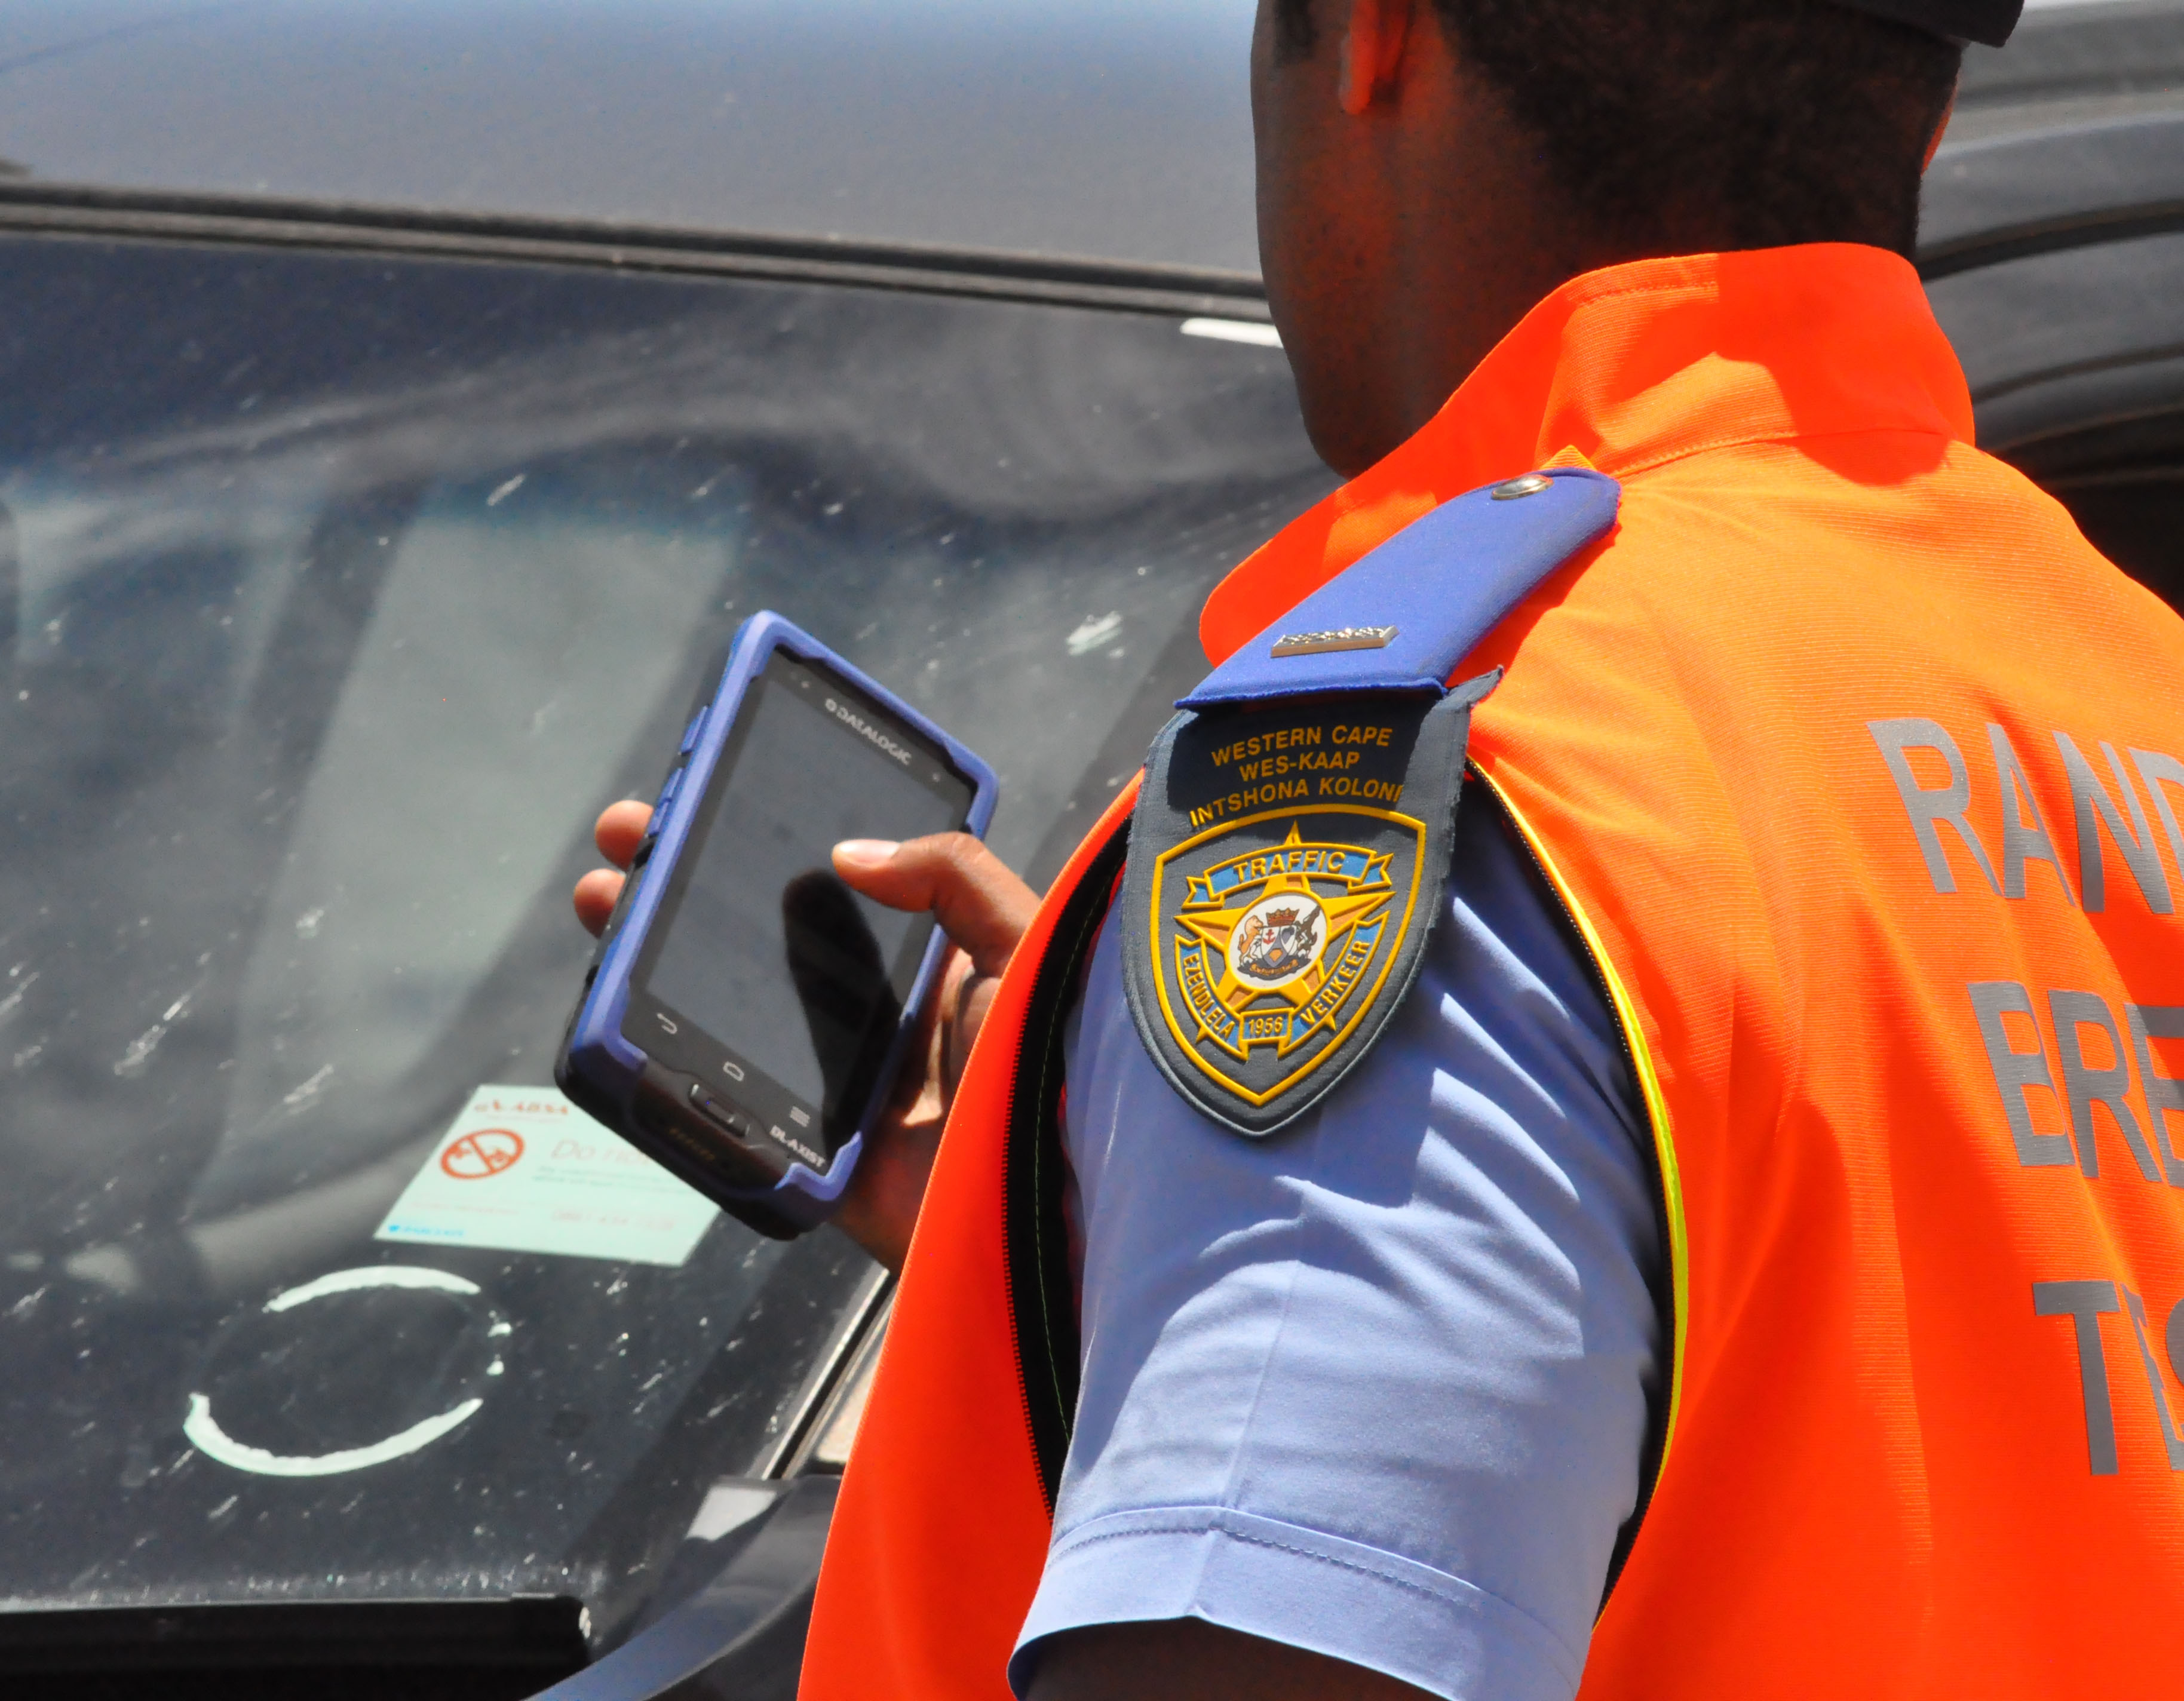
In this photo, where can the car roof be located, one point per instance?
(1109, 129)
(2073, 135)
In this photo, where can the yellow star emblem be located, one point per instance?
(1216, 927)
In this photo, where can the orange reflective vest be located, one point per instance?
(1861, 773)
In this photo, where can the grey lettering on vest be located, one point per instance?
(2085, 1086)
(2096, 808)
(2014, 1071)
(2086, 1303)
(2171, 1442)
(1944, 806)
(2157, 771)
(2164, 1094)
(2023, 840)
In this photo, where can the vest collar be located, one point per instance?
(1628, 367)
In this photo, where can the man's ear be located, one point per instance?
(1941, 130)
(1373, 45)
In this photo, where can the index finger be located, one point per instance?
(976, 897)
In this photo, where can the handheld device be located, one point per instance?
(746, 1011)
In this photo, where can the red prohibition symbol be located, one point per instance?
(482, 1153)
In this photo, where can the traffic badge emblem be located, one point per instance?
(1276, 947)
(1284, 867)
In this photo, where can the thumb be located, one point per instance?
(975, 896)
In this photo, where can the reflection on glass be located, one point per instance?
(841, 980)
(336, 596)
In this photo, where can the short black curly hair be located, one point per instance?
(1680, 125)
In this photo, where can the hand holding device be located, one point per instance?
(749, 1007)
(983, 908)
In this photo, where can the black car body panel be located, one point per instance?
(1113, 132)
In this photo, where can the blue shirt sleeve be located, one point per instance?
(1375, 1387)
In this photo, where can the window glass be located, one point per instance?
(337, 594)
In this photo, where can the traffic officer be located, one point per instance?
(1605, 1118)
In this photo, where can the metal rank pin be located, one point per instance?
(1531, 484)
(1341, 638)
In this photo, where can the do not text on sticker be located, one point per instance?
(522, 1170)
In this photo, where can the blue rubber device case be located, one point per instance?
(689, 1121)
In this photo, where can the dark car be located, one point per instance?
(400, 403)
(2053, 244)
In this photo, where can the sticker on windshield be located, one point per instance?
(522, 1170)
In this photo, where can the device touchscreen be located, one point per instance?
(763, 972)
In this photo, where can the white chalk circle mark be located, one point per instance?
(371, 1275)
(204, 1433)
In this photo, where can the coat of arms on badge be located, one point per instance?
(1275, 933)
(1271, 946)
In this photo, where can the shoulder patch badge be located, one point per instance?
(1285, 864)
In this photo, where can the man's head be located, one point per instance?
(1428, 168)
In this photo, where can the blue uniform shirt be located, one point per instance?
(1376, 1386)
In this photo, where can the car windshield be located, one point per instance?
(338, 593)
